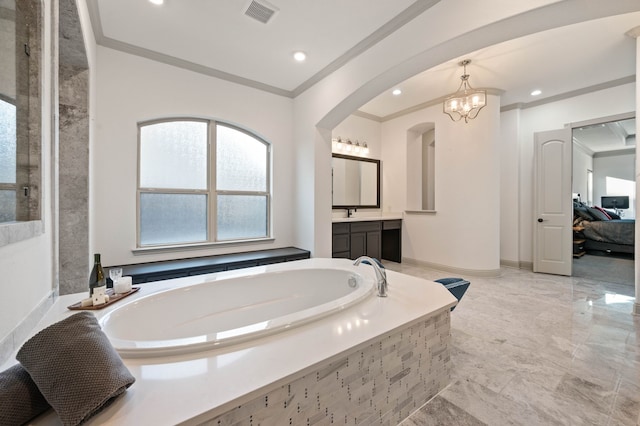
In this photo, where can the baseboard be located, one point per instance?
(461, 271)
(11, 343)
(526, 265)
(510, 263)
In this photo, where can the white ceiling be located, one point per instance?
(555, 61)
(217, 35)
(606, 137)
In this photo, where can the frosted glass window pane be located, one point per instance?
(173, 218)
(7, 142)
(242, 216)
(174, 155)
(7, 205)
(241, 161)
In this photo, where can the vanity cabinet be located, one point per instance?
(341, 240)
(366, 239)
(374, 238)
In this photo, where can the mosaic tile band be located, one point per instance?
(380, 384)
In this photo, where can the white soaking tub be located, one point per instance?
(223, 311)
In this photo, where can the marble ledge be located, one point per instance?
(386, 216)
(13, 232)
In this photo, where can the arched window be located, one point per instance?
(201, 181)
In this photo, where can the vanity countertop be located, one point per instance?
(387, 216)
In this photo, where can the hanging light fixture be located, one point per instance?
(466, 102)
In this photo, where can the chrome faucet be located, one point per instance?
(381, 275)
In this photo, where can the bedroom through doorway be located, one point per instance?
(604, 199)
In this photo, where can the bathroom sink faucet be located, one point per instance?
(350, 213)
(381, 275)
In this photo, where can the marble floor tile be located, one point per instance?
(536, 349)
(438, 412)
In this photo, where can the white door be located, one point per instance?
(553, 207)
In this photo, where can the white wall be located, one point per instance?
(362, 129)
(616, 166)
(582, 162)
(132, 89)
(464, 233)
(509, 187)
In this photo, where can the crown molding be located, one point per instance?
(378, 35)
(571, 94)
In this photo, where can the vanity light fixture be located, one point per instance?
(349, 146)
(466, 102)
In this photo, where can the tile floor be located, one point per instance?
(536, 349)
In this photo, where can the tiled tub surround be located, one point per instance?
(380, 384)
(193, 389)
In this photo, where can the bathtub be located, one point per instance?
(227, 310)
(402, 341)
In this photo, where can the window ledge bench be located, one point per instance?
(168, 269)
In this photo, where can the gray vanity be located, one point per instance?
(374, 237)
(356, 185)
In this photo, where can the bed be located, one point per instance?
(603, 229)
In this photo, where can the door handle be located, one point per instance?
(540, 220)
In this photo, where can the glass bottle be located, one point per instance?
(97, 277)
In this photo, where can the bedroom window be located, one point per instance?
(615, 186)
(201, 181)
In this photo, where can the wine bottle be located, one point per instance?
(97, 277)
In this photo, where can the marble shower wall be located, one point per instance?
(73, 194)
(28, 19)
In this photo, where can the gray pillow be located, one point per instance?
(613, 214)
(597, 214)
(75, 367)
(20, 399)
(582, 211)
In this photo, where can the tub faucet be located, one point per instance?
(381, 275)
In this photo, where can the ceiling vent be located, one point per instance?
(260, 10)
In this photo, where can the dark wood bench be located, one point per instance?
(167, 269)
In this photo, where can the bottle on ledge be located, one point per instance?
(97, 277)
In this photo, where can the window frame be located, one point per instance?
(211, 191)
(8, 186)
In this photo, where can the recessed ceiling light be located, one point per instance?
(396, 92)
(158, 2)
(536, 92)
(299, 56)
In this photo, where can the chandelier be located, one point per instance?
(466, 102)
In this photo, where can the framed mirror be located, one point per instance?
(355, 182)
